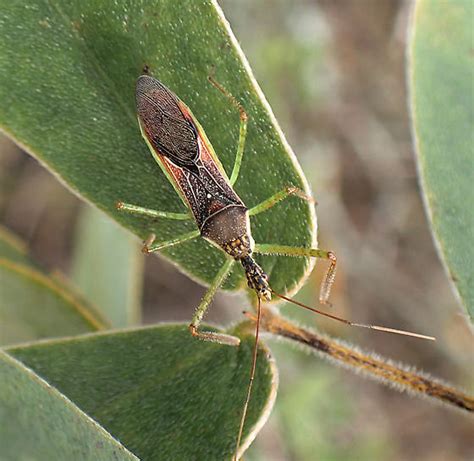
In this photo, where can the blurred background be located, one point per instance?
(334, 74)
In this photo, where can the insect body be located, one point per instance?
(180, 146)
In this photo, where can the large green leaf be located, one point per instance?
(162, 393)
(442, 100)
(67, 77)
(107, 267)
(39, 423)
(34, 306)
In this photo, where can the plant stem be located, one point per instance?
(398, 376)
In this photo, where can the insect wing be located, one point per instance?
(166, 128)
(175, 141)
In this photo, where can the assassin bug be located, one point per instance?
(179, 145)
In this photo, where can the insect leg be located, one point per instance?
(285, 250)
(150, 247)
(135, 209)
(203, 306)
(242, 130)
(278, 197)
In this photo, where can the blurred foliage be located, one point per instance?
(108, 267)
(34, 305)
(13, 248)
(442, 98)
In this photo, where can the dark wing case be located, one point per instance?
(167, 129)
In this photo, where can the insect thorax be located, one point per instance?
(230, 230)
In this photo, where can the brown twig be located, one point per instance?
(395, 375)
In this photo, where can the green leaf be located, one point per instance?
(107, 267)
(161, 392)
(39, 423)
(67, 78)
(442, 103)
(34, 306)
(13, 248)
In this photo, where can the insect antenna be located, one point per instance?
(354, 324)
(252, 376)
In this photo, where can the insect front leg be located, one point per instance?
(277, 198)
(242, 130)
(204, 305)
(286, 250)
